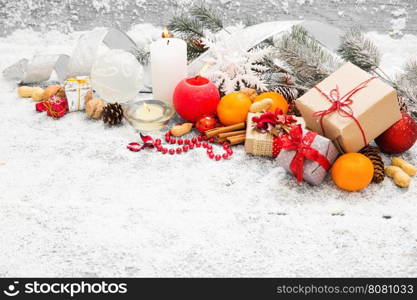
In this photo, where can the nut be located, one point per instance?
(94, 108)
(37, 94)
(25, 91)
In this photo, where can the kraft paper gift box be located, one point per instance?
(75, 90)
(370, 110)
(312, 171)
(262, 143)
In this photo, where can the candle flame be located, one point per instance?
(204, 68)
(146, 106)
(166, 33)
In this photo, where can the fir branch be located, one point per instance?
(359, 50)
(186, 26)
(308, 60)
(406, 85)
(208, 17)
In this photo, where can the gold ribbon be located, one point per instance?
(80, 81)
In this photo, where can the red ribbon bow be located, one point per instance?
(267, 120)
(295, 141)
(147, 140)
(342, 105)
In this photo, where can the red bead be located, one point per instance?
(225, 156)
(209, 151)
(198, 145)
(179, 150)
(191, 146)
(199, 138)
(225, 145)
(185, 148)
(171, 151)
(159, 148)
(168, 134)
(158, 142)
(164, 150)
(205, 145)
(211, 140)
(187, 142)
(167, 139)
(172, 141)
(209, 147)
(194, 140)
(180, 142)
(211, 155)
(229, 151)
(218, 157)
(205, 138)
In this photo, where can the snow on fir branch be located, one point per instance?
(307, 60)
(208, 17)
(406, 84)
(359, 50)
(231, 66)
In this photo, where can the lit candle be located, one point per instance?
(149, 112)
(168, 66)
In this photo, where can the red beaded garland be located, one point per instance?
(185, 146)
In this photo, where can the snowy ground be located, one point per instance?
(75, 202)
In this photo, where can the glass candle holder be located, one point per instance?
(149, 115)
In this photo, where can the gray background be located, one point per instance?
(71, 15)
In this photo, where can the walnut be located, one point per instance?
(94, 108)
(250, 92)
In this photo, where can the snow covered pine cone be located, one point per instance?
(112, 113)
(375, 156)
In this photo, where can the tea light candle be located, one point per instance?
(168, 66)
(149, 115)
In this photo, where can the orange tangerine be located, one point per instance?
(278, 101)
(352, 171)
(233, 108)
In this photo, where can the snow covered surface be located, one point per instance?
(75, 202)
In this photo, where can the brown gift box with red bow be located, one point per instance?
(350, 107)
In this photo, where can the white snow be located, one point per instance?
(75, 202)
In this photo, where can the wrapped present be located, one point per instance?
(263, 131)
(55, 107)
(350, 107)
(306, 154)
(75, 90)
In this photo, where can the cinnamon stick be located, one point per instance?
(232, 133)
(213, 132)
(237, 139)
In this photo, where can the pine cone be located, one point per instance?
(290, 94)
(375, 156)
(113, 113)
(402, 101)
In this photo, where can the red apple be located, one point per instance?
(399, 137)
(196, 97)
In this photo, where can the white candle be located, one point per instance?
(168, 66)
(148, 112)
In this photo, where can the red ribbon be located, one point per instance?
(295, 141)
(147, 140)
(267, 120)
(342, 105)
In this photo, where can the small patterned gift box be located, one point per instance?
(75, 89)
(307, 155)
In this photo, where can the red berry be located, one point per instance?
(205, 138)
(194, 140)
(180, 142)
(167, 139)
(209, 151)
(211, 155)
(205, 145)
(187, 142)
(225, 156)
(179, 150)
(172, 141)
(159, 148)
(218, 157)
(209, 147)
(198, 145)
(164, 150)
(185, 148)
(191, 146)
(171, 151)
(158, 142)
(211, 140)
(229, 151)
(199, 138)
